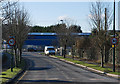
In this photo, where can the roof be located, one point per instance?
(81, 34)
(41, 33)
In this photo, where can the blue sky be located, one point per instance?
(50, 13)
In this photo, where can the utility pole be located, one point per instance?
(114, 37)
(0, 33)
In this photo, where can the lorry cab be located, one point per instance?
(49, 50)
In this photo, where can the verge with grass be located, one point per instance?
(7, 75)
(107, 70)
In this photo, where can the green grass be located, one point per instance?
(116, 73)
(8, 74)
(107, 70)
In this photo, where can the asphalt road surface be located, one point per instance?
(46, 70)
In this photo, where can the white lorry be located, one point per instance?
(49, 50)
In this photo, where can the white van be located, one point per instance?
(49, 50)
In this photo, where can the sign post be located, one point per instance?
(11, 42)
(114, 41)
(114, 37)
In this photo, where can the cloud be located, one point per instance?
(64, 17)
(68, 20)
(92, 16)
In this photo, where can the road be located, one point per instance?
(46, 70)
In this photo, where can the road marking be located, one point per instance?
(21, 77)
(52, 78)
(96, 79)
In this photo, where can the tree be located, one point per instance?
(75, 29)
(16, 21)
(64, 32)
(101, 20)
(23, 29)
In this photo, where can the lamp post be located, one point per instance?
(61, 21)
(114, 37)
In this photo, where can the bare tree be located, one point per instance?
(9, 24)
(63, 36)
(23, 29)
(16, 21)
(101, 19)
(64, 32)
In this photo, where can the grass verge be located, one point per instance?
(107, 70)
(7, 75)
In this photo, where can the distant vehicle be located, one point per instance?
(32, 50)
(49, 50)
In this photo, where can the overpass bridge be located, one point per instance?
(45, 39)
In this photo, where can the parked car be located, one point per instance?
(49, 50)
(32, 49)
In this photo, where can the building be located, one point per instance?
(40, 40)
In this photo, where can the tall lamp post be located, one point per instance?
(0, 45)
(114, 37)
(61, 21)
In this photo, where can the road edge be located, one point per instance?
(88, 68)
(17, 75)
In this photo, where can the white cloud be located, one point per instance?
(68, 20)
(64, 17)
(92, 16)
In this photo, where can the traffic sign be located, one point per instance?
(113, 46)
(114, 41)
(11, 42)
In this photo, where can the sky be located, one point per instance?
(50, 13)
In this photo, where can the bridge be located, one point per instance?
(45, 39)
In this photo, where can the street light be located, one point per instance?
(61, 21)
(1, 44)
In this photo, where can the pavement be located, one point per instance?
(46, 70)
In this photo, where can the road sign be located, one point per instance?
(11, 42)
(114, 41)
(113, 46)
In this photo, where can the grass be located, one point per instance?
(7, 75)
(116, 73)
(42, 53)
(107, 70)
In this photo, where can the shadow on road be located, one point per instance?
(31, 66)
(39, 68)
(59, 82)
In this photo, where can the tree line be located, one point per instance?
(53, 28)
(98, 46)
